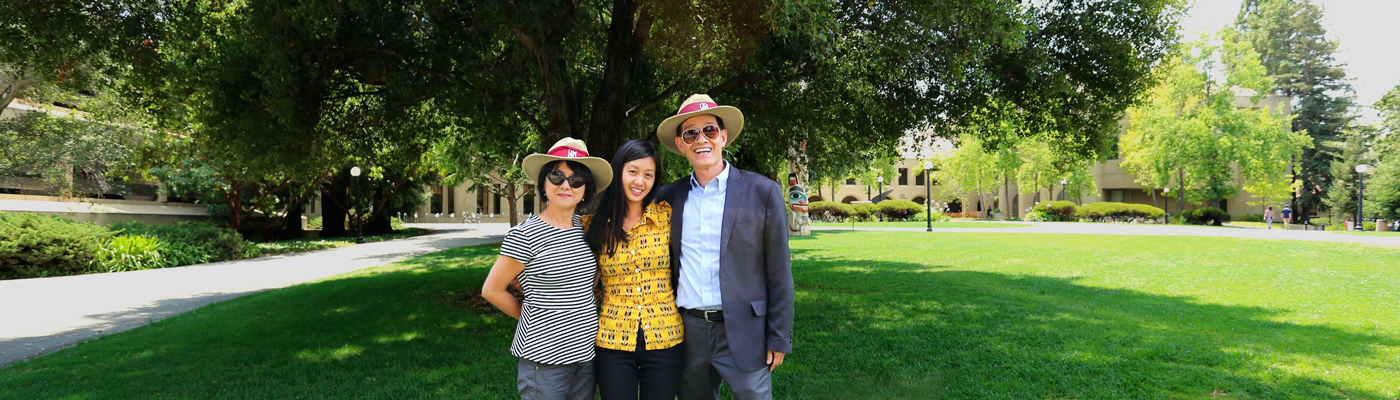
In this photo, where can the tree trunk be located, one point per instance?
(610, 105)
(333, 214)
(510, 198)
(560, 100)
(291, 226)
(378, 220)
(1181, 190)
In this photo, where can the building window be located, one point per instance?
(451, 200)
(851, 181)
(919, 179)
(529, 204)
(1116, 195)
(903, 177)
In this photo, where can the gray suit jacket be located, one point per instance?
(755, 267)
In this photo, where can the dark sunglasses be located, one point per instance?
(689, 136)
(558, 179)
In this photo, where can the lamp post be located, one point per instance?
(1360, 191)
(1063, 182)
(880, 190)
(359, 218)
(928, 196)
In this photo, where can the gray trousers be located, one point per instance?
(708, 362)
(538, 381)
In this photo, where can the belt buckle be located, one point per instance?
(707, 315)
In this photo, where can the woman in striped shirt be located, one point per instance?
(548, 254)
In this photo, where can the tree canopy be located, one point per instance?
(1295, 51)
(306, 83)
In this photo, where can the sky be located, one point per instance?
(1369, 44)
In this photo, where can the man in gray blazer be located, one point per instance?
(729, 241)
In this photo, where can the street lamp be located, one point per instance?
(1360, 191)
(359, 219)
(1062, 189)
(879, 190)
(928, 196)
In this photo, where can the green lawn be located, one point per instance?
(879, 315)
(905, 224)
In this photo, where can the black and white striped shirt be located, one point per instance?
(558, 321)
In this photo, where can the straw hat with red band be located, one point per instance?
(697, 105)
(570, 149)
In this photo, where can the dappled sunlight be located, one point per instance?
(330, 354)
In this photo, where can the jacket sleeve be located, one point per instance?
(778, 264)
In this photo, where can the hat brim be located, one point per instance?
(602, 171)
(733, 122)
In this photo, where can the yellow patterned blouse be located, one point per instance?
(637, 292)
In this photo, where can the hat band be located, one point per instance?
(696, 106)
(567, 152)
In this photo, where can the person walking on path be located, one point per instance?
(1287, 215)
(639, 330)
(550, 258)
(729, 239)
(1269, 217)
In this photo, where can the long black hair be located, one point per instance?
(579, 170)
(606, 230)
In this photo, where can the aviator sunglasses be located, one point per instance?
(689, 136)
(558, 179)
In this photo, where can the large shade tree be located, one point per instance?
(266, 76)
(1297, 54)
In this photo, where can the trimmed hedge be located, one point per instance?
(1206, 216)
(865, 211)
(898, 209)
(1114, 212)
(36, 245)
(1059, 210)
(830, 210)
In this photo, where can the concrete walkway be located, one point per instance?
(1148, 229)
(38, 316)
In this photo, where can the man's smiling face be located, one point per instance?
(705, 152)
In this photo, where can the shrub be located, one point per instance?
(191, 240)
(1206, 216)
(1249, 217)
(830, 211)
(314, 223)
(36, 245)
(937, 217)
(130, 253)
(898, 209)
(1057, 211)
(1119, 212)
(864, 211)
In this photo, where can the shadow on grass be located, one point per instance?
(383, 333)
(900, 330)
(864, 330)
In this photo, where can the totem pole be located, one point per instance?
(798, 222)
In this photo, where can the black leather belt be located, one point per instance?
(709, 316)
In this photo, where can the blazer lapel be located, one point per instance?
(678, 219)
(733, 192)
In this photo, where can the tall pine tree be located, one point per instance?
(1294, 49)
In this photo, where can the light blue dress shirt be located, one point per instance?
(704, 215)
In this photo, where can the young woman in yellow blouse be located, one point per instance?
(639, 330)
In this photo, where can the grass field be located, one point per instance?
(907, 224)
(879, 315)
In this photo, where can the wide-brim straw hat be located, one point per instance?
(570, 149)
(697, 105)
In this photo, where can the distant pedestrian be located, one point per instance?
(1287, 216)
(1269, 217)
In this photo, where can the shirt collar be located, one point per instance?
(652, 213)
(723, 178)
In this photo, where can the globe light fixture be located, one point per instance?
(355, 171)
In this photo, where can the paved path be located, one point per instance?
(1167, 230)
(38, 316)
